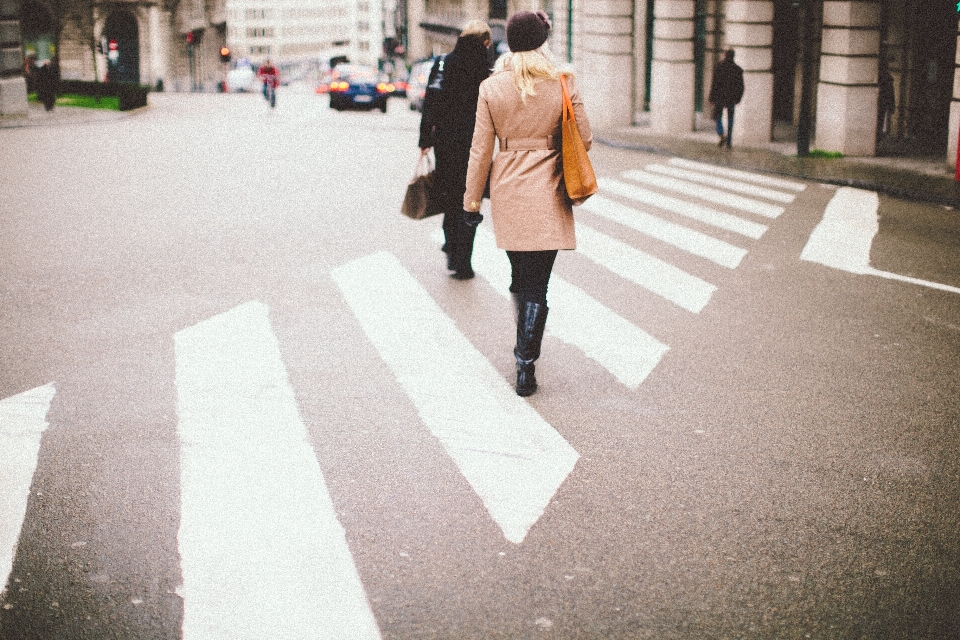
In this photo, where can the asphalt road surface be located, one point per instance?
(240, 397)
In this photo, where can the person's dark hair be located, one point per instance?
(471, 53)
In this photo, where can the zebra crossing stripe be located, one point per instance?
(689, 240)
(262, 552)
(578, 319)
(746, 176)
(690, 210)
(723, 183)
(662, 278)
(716, 196)
(23, 419)
(843, 238)
(512, 458)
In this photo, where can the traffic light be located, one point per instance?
(224, 54)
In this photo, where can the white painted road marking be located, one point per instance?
(843, 238)
(576, 318)
(512, 457)
(724, 183)
(651, 273)
(689, 240)
(23, 419)
(262, 552)
(715, 196)
(691, 210)
(777, 183)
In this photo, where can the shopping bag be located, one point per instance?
(417, 203)
(578, 173)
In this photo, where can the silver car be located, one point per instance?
(417, 83)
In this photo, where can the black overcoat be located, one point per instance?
(449, 116)
(726, 89)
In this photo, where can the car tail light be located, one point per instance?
(385, 87)
(339, 85)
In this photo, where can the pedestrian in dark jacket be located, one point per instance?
(447, 125)
(726, 91)
(46, 80)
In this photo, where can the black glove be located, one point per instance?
(472, 218)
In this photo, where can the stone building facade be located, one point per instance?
(177, 43)
(170, 43)
(817, 61)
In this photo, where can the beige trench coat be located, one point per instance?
(529, 203)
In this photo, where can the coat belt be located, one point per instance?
(529, 144)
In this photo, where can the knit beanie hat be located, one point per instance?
(527, 30)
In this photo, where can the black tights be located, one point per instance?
(531, 274)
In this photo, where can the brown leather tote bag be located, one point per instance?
(577, 171)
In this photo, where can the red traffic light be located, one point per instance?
(113, 45)
(190, 37)
(225, 54)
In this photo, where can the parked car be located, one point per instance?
(417, 83)
(323, 82)
(358, 87)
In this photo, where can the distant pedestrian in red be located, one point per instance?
(726, 91)
(270, 76)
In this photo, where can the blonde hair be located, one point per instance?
(476, 28)
(530, 66)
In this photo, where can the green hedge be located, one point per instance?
(130, 94)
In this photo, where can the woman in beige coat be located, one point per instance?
(521, 105)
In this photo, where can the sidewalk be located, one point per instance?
(38, 117)
(920, 179)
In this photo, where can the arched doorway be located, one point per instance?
(123, 39)
(924, 72)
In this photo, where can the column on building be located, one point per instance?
(673, 73)
(160, 39)
(749, 32)
(560, 11)
(714, 45)
(847, 91)
(640, 60)
(13, 87)
(954, 129)
(606, 66)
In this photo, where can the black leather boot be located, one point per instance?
(461, 257)
(447, 249)
(531, 321)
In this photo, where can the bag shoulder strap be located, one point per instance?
(567, 102)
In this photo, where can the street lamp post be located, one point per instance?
(805, 123)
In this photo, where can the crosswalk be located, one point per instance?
(262, 551)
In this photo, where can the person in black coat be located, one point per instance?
(46, 80)
(726, 91)
(449, 115)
